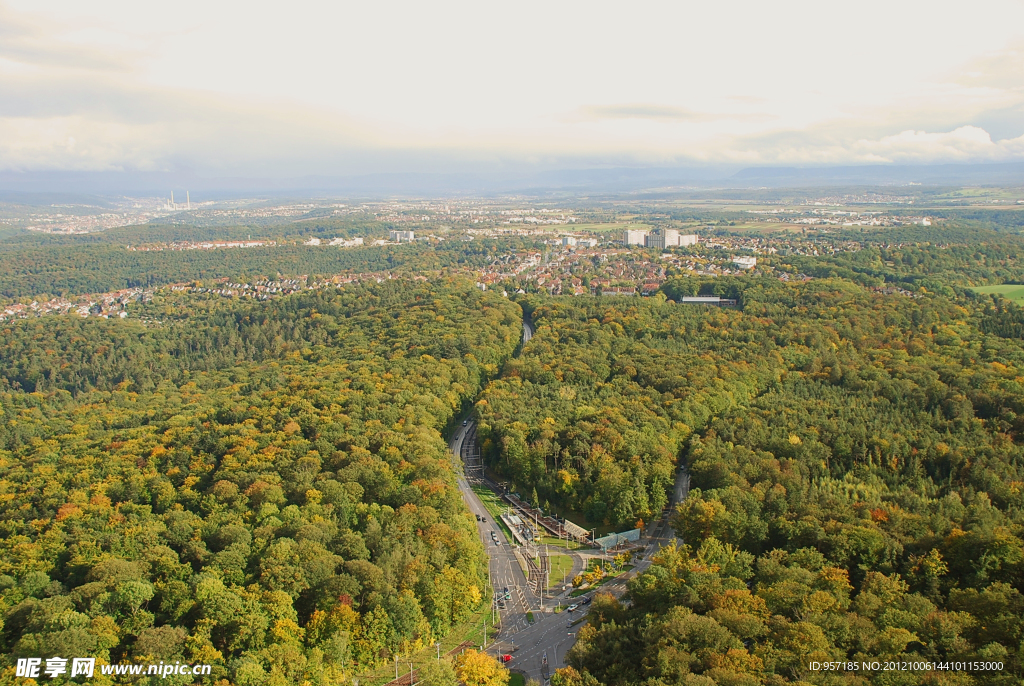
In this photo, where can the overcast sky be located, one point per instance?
(343, 87)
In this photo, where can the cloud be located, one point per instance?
(119, 87)
(31, 41)
(1001, 69)
(665, 113)
(967, 144)
(656, 112)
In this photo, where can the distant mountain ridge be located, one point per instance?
(605, 179)
(883, 174)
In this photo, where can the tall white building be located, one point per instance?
(669, 238)
(663, 238)
(402, 236)
(634, 237)
(568, 240)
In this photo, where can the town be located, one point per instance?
(632, 262)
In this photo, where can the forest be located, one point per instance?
(263, 487)
(856, 468)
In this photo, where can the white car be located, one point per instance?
(573, 608)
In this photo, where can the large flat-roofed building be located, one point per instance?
(670, 238)
(402, 236)
(634, 237)
(663, 238)
(745, 262)
(712, 300)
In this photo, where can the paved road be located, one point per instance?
(538, 649)
(527, 643)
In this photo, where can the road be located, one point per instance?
(539, 648)
(527, 330)
(529, 644)
(503, 567)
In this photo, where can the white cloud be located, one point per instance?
(345, 87)
(967, 143)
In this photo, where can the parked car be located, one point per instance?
(465, 422)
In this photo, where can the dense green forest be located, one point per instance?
(856, 465)
(264, 485)
(260, 486)
(594, 414)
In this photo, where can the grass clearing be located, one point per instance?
(1010, 291)
(561, 567)
(516, 679)
(560, 543)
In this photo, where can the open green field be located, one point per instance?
(1010, 291)
(561, 566)
(561, 543)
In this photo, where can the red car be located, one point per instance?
(506, 658)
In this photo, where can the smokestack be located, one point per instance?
(188, 201)
(172, 200)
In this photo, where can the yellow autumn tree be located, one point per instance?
(480, 669)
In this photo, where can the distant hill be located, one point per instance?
(530, 182)
(882, 174)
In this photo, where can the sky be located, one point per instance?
(320, 88)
